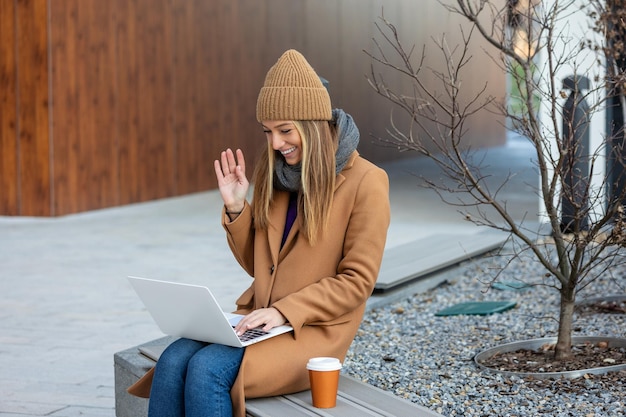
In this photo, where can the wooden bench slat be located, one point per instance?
(375, 397)
(344, 408)
(275, 406)
(354, 399)
(424, 256)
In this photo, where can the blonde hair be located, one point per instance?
(319, 144)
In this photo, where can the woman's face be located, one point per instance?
(283, 137)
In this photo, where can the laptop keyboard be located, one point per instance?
(252, 334)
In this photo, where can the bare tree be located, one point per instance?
(584, 226)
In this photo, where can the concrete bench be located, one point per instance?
(428, 255)
(354, 399)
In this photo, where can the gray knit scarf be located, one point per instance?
(287, 177)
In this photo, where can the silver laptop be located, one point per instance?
(191, 311)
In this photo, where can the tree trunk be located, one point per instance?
(563, 348)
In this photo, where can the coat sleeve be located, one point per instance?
(240, 237)
(363, 247)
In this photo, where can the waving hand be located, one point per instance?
(231, 179)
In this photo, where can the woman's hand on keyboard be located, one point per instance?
(268, 318)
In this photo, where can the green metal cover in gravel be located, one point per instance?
(477, 308)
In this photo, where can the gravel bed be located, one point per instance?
(407, 350)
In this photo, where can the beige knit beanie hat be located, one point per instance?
(293, 91)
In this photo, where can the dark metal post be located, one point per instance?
(575, 170)
(616, 151)
(615, 155)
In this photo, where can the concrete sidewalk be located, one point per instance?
(66, 306)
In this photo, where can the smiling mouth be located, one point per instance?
(288, 151)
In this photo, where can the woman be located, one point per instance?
(312, 239)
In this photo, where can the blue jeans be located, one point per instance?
(193, 379)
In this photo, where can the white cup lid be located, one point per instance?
(323, 364)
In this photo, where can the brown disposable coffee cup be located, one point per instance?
(324, 378)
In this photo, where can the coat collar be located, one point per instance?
(340, 177)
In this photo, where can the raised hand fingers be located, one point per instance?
(241, 161)
(231, 179)
(218, 171)
(227, 164)
(226, 157)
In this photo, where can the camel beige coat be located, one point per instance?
(321, 290)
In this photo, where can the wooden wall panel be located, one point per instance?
(84, 118)
(254, 61)
(144, 61)
(192, 76)
(33, 110)
(66, 64)
(9, 192)
(146, 93)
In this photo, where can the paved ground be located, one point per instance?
(66, 306)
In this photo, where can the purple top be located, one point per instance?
(292, 212)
